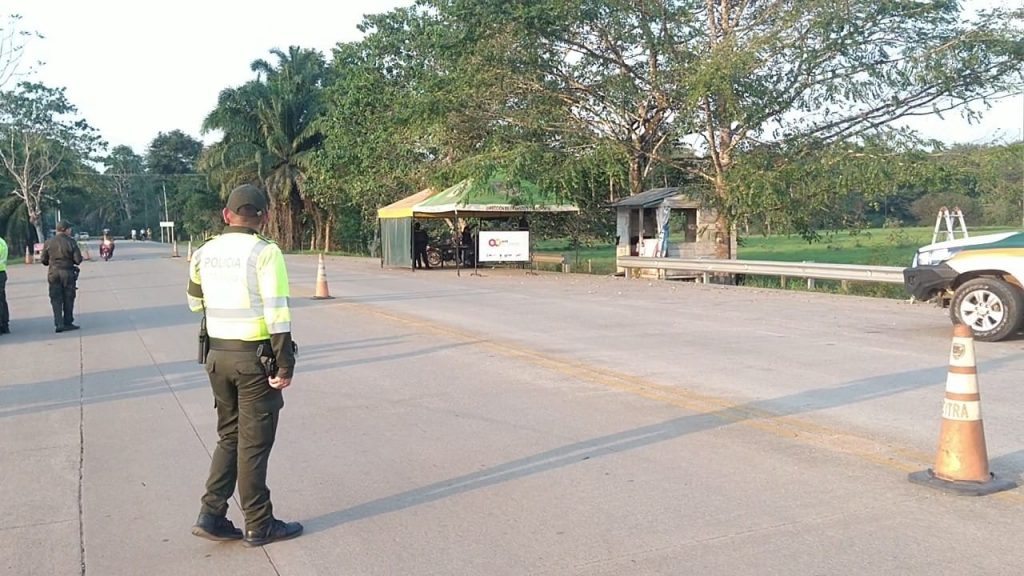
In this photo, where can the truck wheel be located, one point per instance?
(990, 306)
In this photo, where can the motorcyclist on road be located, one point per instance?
(107, 247)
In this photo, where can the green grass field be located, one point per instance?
(878, 247)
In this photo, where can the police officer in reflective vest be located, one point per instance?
(239, 281)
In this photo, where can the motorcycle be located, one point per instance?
(438, 254)
(107, 250)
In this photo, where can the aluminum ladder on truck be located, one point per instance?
(951, 218)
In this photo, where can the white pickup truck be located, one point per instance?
(980, 280)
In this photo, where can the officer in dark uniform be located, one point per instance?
(420, 241)
(4, 312)
(240, 283)
(62, 255)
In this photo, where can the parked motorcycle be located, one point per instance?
(440, 253)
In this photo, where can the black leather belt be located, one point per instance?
(236, 345)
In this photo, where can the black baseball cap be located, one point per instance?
(247, 195)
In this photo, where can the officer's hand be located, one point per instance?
(280, 383)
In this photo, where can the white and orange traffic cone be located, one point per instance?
(961, 464)
(28, 255)
(322, 293)
(188, 255)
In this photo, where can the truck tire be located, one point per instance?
(990, 306)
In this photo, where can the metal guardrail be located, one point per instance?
(845, 272)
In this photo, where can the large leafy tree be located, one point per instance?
(40, 134)
(998, 174)
(729, 76)
(377, 123)
(417, 103)
(172, 153)
(270, 132)
(124, 169)
(881, 181)
(172, 176)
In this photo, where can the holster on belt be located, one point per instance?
(265, 354)
(204, 342)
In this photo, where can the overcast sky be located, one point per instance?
(136, 68)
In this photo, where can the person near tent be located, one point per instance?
(466, 246)
(420, 241)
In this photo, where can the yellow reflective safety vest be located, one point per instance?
(3, 255)
(241, 280)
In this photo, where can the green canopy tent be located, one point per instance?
(470, 198)
(493, 198)
(395, 224)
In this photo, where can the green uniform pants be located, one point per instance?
(62, 295)
(4, 313)
(247, 411)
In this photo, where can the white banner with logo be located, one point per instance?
(498, 246)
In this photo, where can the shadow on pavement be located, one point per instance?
(811, 400)
(41, 328)
(106, 386)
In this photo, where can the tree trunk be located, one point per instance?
(636, 175)
(327, 231)
(37, 222)
(723, 230)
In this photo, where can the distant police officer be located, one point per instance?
(4, 314)
(240, 282)
(62, 255)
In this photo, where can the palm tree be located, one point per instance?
(270, 133)
(14, 224)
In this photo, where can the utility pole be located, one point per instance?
(164, 186)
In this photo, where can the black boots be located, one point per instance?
(216, 528)
(276, 530)
(219, 529)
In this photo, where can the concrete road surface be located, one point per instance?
(504, 424)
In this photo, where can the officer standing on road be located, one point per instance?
(239, 281)
(62, 255)
(5, 317)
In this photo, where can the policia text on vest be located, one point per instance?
(240, 283)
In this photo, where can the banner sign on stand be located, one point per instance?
(500, 246)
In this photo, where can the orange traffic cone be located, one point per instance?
(322, 293)
(188, 255)
(28, 255)
(961, 464)
(85, 252)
